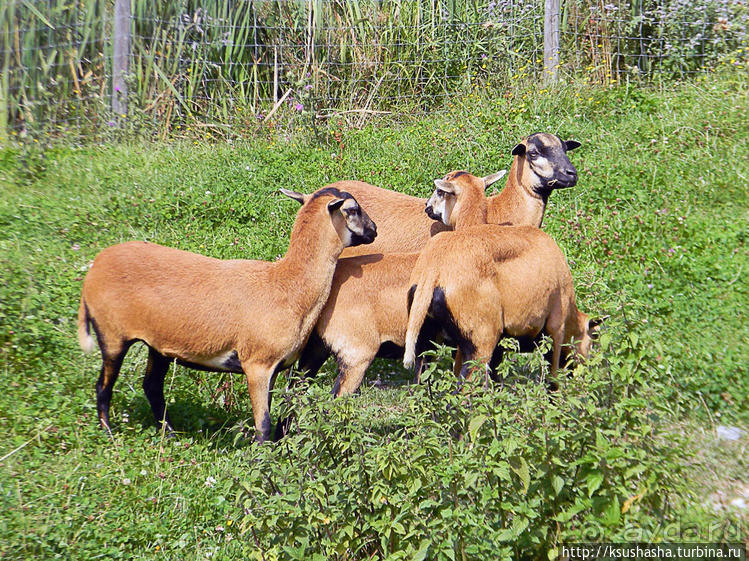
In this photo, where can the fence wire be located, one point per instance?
(231, 63)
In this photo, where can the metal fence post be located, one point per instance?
(551, 40)
(120, 56)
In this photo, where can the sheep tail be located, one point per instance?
(422, 299)
(85, 340)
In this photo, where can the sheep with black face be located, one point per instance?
(244, 316)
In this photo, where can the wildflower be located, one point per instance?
(126, 481)
(112, 124)
(75, 247)
(298, 106)
(210, 481)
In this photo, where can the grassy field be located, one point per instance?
(654, 232)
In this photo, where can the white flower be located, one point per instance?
(210, 481)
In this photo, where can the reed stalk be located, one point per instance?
(226, 61)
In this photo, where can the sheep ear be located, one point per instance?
(298, 197)
(334, 205)
(595, 325)
(571, 145)
(444, 185)
(489, 180)
(519, 150)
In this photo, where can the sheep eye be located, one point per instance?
(533, 155)
(440, 193)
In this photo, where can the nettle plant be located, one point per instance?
(463, 470)
(698, 34)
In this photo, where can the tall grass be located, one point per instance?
(230, 63)
(54, 62)
(227, 57)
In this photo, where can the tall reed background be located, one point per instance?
(228, 63)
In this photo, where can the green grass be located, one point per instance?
(655, 234)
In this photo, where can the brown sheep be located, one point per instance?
(365, 315)
(244, 316)
(485, 281)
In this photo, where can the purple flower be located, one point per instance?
(298, 106)
(112, 124)
(308, 87)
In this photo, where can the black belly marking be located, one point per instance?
(388, 349)
(232, 363)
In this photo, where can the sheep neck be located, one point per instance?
(472, 210)
(517, 204)
(310, 263)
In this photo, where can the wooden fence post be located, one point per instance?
(551, 40)
(120, 56)
(7, 13)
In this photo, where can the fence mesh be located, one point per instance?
(231, 62)
(641, 38)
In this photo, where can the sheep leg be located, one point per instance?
(458, 363)
(481, 352)
(153, 386)
(313, 355)
(494, 363)
(259, 383)
(466, 353)
(351, 375)
(428, 333)
(555, 356)
(110, 369)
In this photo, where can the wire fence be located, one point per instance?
(235, 63)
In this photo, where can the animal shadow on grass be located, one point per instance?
(209, 423)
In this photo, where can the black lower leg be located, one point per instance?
(153, 386)
(468, 351)
(494, 363)
(428, 333)
(110, 369)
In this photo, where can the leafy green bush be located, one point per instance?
(474, 472)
